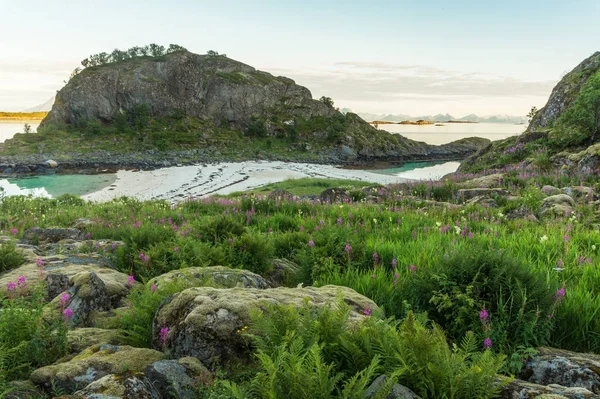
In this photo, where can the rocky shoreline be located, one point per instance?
(105, 162)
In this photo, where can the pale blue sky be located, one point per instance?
(412, 57)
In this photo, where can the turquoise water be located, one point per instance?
(56, 185)
(421, 170)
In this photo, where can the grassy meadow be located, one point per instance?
(461, 287)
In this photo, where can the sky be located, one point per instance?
(414, 57)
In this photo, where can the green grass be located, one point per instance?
(306, 186)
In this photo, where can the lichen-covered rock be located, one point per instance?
(128, 385)
(22, 390)
(280, 195)
(519, 389)
(215, 276)
(87, 293)
(82, 338)
(93, 364)
(470, 193)
(204, 322)
(51, 234)
(557, 205)
(283, 273)
(332, 195)
(551, 190)
(570, 369)
(83, 223)
(174, 378)
(522, 212)
(488, 181)
(580, 193)
(397, 391)
(115, 282)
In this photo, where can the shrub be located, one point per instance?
(517, 299)
(10, 257)
(251, 252)
(315, 353)
(220, 227)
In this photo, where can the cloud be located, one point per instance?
(372, 82)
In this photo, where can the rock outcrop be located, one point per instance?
(565, 92)
(205, 322)
(217, 276)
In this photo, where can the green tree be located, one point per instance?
(156, 50)
(534, 110)
(175, 47)
(213, 53)
(327, 101)
(585, 112)
(27, 128)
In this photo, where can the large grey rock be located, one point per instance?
(332, 195)
(87, 293)
(397, 391)
(128, 385)
(551, 190)
(93, 364)
(580, 193)
(488, 181)
(519, 389)
(81, 338)
(173, 378)
(557, 205)
(215, 276)
(470, 193)
(570, 369)
(204, 322)
(52, 235)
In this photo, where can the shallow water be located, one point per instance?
(421, 170)
(56, 185)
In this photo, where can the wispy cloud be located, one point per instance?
(381, 83)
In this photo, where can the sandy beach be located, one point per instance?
(178, 183)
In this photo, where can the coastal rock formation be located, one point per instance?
(224, 93)
(565, 92)
(203, 322)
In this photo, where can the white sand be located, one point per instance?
(178, 183)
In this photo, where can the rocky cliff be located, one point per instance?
(545, 143)
(565, 92)
(206, 87)
(221, 94)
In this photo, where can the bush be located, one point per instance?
(219, 228)
(517, 299)
(251, 252)
(10, 257)
(315, 353)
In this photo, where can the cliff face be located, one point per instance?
(565, 92)
(206, 87)
(229, 93)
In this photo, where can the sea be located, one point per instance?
(53, 186)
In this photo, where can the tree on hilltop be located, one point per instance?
(585, 112)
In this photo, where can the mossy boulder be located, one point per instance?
(488, 181)
(205, 322)
(519, 389)
(82, 338)
(215, 276)
(569, 369)
(93, 364)
(557, 205)
(115, 282)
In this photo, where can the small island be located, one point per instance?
(22, 116)
(419, 122)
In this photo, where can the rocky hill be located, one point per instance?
(211, 107)
(552, 135)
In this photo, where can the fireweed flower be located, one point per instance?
(131, 281)
(311, 244)
(375, 258)
(560, 294)
(11, 286)
(484, 316)
(14, 232)
(153, 288)
(348, 248)
(566, 238)
(21, 282)
(164, 335)
(64, 299)
(412, 268)
(68, 314)
(40, 262)
(487, 344)
(367, 312)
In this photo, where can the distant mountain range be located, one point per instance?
(439, 117)
(45, 107)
